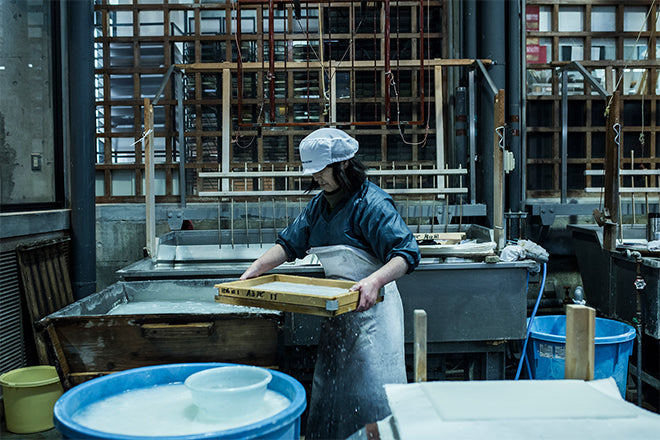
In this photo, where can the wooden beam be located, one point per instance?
(226, 125)
(439, 125)
(612, 146)
(333, 95)
(498, 170)
(580, 342)
(420, 345)
(149, 181)
(61, 363)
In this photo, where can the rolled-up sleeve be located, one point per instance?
(295, 237)
(386, 231)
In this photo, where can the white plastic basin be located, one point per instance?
(228, 391)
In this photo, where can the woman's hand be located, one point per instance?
(253, 271)
(368, 293)
(272, 258)
(369, 286)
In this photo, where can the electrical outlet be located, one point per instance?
(35, 159)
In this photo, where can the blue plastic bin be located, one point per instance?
(546, 349)
(282, 426)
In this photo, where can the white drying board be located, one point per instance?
(518, 410)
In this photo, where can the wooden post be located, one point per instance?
(420, 345)
(498, 171)
(62, 365)
(333, 96)
(611, 198)
(439, 129)
(149, 185)
(580, 342)
(226, 125)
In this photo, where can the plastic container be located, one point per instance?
(613, 346)
(228, 391)
(29, 395)
(282, 426)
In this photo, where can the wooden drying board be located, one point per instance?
(44, 268)
(248, 293)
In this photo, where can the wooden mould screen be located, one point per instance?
(44, 268)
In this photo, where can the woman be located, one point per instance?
(354, 228)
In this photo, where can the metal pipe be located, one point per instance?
(491, 84)
(271, 58)
(421, 59)
(460, 155)
(387, 58)
(163, 83)
(564, 137)
(284, 2)
(247, 225)
(231, 222)
(640, 285)
(330, 123)
(261, 236)
(219, 224)
(470, 29)
(593, 82)
(472, 135)
(490, 31)
(239, 64)
(523, 104)
(514, 62)
(80, 58)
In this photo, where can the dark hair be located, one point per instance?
(349, 179)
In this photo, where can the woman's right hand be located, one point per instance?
(269, 260)
(252, 271)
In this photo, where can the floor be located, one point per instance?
(51, 434)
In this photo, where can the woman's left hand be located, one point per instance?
(370, 286)
(368, 293)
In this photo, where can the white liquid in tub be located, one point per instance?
(312, 289)
(180, 307)
(166, 410)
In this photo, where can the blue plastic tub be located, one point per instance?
(282, 426)
(547, 346)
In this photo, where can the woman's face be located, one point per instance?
(326, 180)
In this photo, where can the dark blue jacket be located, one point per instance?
(367, 220)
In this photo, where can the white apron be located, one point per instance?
(358, 353)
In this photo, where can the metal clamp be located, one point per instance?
(332, 305)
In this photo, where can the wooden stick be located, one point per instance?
(580, 342)
(646, 193)
(611, 183)
(149, 179)
(420, 345)
(632, 184)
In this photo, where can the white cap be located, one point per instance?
(325, 146)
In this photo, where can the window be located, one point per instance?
(348, 38)
(31, 162)
(616, 45)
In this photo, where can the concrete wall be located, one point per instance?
(121, 233)
(27, 161)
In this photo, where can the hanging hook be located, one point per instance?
(501, 133)
(617, 134)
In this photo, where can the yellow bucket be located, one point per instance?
(29, 395)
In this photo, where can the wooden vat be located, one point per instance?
(163, 321)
